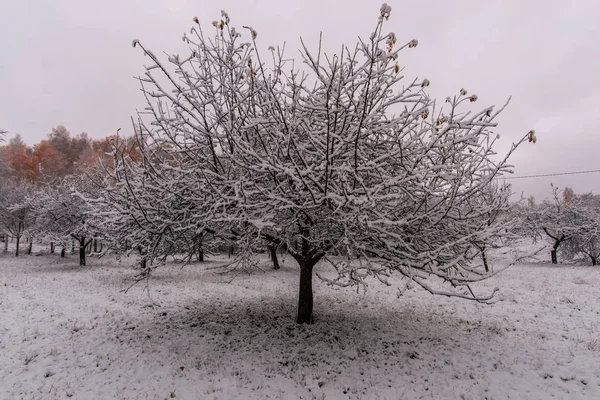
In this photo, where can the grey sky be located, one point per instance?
(70, 62)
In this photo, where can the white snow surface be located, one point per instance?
(70, 332)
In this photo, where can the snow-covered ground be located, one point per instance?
(70, 331)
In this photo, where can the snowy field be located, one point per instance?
(70, 332)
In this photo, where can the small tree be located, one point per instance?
(560, 218)
(134, 214)
(61, 217)
(586, 237)
(341, 162)
(15, 214)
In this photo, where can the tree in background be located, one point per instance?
(19, 159)
(343, 162)
(48, 162)
(135, 214)
(586, 238)
(560, 218)
(15, 214)
(568, 194)
(4, 169)
(60, 138)
(70, 147)
(60, 216)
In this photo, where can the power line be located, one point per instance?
(556, 174)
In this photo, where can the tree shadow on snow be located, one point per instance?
(369, 340)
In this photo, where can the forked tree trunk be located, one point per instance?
(273, 254)
(305, 294)
(557, 242)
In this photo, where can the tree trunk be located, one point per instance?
(557, 242)
(95, 244)
(30, 247)
(484, 258)
(6, 243)
(305, 295)
(273, 254)
(553, 252)
(62, 252)
(17, 250)
(143, 263)
(72, 246)
(200, 254)
(82, 250)
(553, 256)
(594, 259)
(51, 247)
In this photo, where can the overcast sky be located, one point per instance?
(71, 63)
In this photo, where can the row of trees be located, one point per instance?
(342, 162)
(570, 221)
(36, 194)
(56, 157)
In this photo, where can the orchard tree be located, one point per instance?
(60, 216)
(130, 209)
(343, 161)
(560, 218)
(16, 216)
(586, 238)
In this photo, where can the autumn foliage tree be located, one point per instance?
(18, 159)
(48, 163)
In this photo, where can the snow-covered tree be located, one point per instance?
(16, 215)
(136, 214)
(60, 216)
(585, 239)
(342, 161)
(560, 218)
